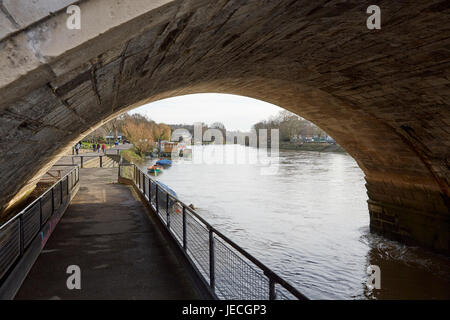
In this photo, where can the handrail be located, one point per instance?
(37, 199)
(271, 275)
(233, 244)
(20, 231)
(91, 157)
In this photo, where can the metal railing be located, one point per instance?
(226, 269)
(17, 233)
(96, 161)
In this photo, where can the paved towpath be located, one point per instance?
(120, 251)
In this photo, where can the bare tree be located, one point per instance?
(96, 135)
(140, 135)
(161, 132)
(113, 127)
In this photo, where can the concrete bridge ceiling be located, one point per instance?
(382, 94)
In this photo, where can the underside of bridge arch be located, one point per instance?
(382, 94)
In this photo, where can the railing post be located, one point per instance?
(272, 295)
(101, 161)
(144, 188)
(184, 229)
(156, 196)
(82, 158)
(150, 191)
(60, 191)
(167, 210)
(212, 261)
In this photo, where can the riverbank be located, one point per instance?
(131, 155)
(319, 147)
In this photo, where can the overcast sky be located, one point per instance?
(235, 112)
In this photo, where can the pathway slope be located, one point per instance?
(106, 231)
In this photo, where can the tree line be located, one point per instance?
(291, 127)
(139, 130)
(143, 132)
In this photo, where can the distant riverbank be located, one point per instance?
(131, 156)
(320, 147)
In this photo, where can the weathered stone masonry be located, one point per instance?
(382, 94)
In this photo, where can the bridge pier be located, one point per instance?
(410, 226)
(411, 215)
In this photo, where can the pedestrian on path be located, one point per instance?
(104, 148)
(98, 147)
(77, 148)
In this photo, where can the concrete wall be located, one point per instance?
(382, 94)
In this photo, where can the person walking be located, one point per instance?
(104, 148)
(77, 148)
(94, 147)
(98, 147)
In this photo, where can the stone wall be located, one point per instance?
(382, 94)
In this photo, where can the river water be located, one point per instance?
(308, 221)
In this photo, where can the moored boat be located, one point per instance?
(164, 162)
(155, 170)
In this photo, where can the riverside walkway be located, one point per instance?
(121, 252)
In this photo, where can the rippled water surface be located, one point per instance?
(309, 222)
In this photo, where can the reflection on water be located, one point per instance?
(309, 223)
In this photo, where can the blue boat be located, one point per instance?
(173, 193)
(174, 206)
(164, 162)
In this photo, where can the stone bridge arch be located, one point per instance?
(382, 94)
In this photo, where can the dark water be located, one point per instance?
(309, 222)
